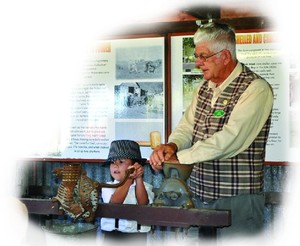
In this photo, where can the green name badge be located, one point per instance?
(219, 113)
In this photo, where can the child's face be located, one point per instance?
(118, 168)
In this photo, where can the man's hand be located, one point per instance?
(162, 153)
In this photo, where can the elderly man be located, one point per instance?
(223, 132)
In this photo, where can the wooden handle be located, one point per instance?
(154, 140)
(144, 143)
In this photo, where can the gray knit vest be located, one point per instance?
(241, 174)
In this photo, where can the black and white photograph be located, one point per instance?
(139, 100)
(139, 62)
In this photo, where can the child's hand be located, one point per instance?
(138, 171)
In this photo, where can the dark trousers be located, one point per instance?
(247, 214)
(124, 239)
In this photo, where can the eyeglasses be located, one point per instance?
(204, 58)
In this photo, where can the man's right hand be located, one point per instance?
(162, 153)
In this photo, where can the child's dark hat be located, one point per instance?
(124, 149)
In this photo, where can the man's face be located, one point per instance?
(211, 63)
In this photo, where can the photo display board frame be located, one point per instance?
(121, 95)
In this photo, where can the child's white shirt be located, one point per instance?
(129, 226)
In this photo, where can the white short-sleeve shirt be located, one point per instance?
(129, 226)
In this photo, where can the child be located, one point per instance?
(125, 154)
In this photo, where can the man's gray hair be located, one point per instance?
(219, 36)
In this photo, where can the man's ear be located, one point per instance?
(226, 55)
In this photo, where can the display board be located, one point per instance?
(120, 96)
(261, 51)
